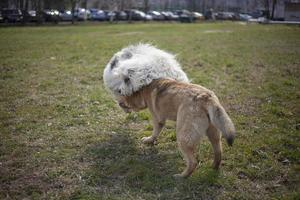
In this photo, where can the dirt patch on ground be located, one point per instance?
(248, 107)
(130, 33)
(217, 31)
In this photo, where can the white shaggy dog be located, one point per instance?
(138, 65)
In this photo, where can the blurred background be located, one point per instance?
(43, 11)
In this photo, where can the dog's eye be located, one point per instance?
(126, 80)
(127, 55)
(119, 91)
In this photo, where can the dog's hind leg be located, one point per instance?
(214, 137)
(188, 152)
(190, 128)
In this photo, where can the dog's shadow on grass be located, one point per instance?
(122, 163)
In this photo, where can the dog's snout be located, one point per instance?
(121, 104)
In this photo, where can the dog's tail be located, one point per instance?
(220, 119)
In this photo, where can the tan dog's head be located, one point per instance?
(135, 102)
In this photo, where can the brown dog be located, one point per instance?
(196, 110)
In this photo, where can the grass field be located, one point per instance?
(63, 137)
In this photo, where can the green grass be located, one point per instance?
(63, 137)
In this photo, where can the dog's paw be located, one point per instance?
(148, 140)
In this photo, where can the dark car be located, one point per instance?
(135, 15)
(65, 15)
(121, 15)
(11, 15)
(30, 16)
(210, 15)
(1, 18)
(51, 16)
(111, 15)
(225, 16)
(98, 15)
(185, 16)
(259, 13)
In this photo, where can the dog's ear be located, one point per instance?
(113, 63)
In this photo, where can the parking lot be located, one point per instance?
(17, 16)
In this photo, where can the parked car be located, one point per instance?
(98, 15)
(156, 15)
(225, 16)
(259, 20)
(148, 17)
(11, 15)
(198, 16)
(185, 16)
(51, 16)
(210, 14)
(1, 18)
(121, 15)
(111, 15)
(82, 14)
(168, 15)
(65, 15)
(258, 13)
(244, 17)
(31, 15)
(135, 15)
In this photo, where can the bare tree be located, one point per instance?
(266, 6)
(73, 5)
(203, 6)
(146, 6)
(166, 5)
(192, 5)
(274, 2)
(38, 5)
(122, 5)
(25, 8)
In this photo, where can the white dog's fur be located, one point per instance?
(138, 65)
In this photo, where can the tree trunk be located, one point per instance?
(192, 5)
(39, 11)
(21, 4)
(267, 7)
(25, 17)
(146, 6)
(121, 5)
(84, 5)
(130, 16)
(273, 8)
(204, 6)
(73, 4)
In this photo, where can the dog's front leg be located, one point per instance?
(157, 127)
